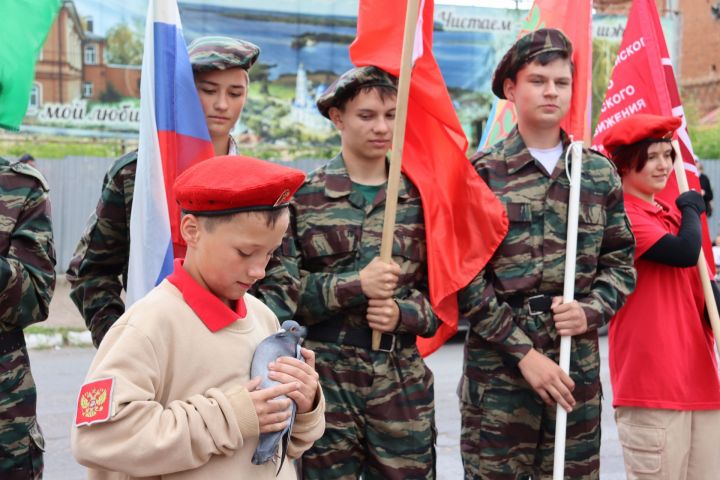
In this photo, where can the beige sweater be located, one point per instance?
(179, 409)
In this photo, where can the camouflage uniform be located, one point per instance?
(98, 270)
(379, 405)
(27, 280)
(507, 430)
(99, 267)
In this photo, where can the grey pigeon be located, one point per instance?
(284, 343)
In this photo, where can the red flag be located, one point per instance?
(464, 221)
(573, 19)
(643, 81)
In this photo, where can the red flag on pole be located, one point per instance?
(643, 81)
(573, 19)
(464, 221)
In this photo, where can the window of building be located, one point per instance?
(90, 55)
(87, 89)
(35, 98)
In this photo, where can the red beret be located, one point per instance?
(232, 183)
(640, 127)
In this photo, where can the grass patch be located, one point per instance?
(55, 147)
(706, 141)
(43, 330)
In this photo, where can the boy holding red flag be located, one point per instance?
(511, 379)
(380, 416)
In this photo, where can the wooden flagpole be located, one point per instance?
(568, 296)
(398, 140)
(701, 264)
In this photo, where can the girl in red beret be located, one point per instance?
(663, 367)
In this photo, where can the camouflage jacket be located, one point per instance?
(333, 234)
(99, 267)
(27, 254)
(531, 259)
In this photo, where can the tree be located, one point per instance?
(124, 45)
(261, 73)
(604, 55)
(110, 95)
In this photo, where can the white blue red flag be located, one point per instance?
(173, 136)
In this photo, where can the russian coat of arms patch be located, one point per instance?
(94, 402)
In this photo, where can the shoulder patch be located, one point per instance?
(122, 162)
(25, 169)
(95, 402)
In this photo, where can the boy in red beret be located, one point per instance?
(663, 368)
(168, 393)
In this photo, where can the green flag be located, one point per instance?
(24, 25)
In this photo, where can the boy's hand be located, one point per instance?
(569, 318)
(547, 379)
(289, 370)
(383, 314)
(378, 279)
(272, 414)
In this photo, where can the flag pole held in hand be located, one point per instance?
(575, 153)
(398, 140)
(683, 187)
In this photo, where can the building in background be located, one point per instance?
(72, 64)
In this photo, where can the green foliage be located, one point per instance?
(110, 95)
(260, 74)
(604, 55)
(706, 141)
(124, 45)
(54, 147)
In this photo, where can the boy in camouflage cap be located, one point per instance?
(379, 404)
(98, 270)
(511, 380)
(27, 280)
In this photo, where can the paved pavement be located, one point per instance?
(60, 372)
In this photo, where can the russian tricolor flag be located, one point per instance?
(173, 136)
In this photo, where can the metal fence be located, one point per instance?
(75, 184)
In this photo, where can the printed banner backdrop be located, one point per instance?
(94, 88)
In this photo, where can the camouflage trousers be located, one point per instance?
(379, 415)
(509, 433)
(21, 442)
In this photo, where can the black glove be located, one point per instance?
(692, 199)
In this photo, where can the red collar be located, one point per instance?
(213, 313)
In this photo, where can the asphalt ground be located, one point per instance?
(60, 372)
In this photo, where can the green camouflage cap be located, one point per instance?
(349, 82)
(216, 52)
(534, 43)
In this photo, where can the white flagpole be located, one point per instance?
(575, 151)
